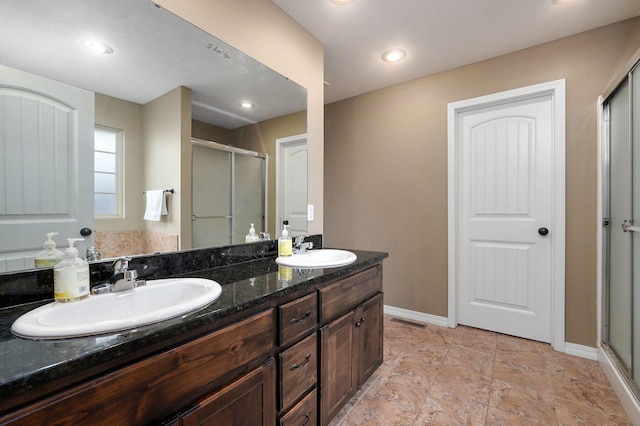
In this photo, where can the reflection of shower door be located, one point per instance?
(228, 194)
(621, 332)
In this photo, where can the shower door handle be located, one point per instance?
(626, 227)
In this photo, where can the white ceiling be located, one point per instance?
(438, 35)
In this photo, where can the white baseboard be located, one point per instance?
(415, 316)
(627, 399)
(582, 351)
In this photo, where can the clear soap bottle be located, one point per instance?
(71, 276)
(50, 256)
(251, 237)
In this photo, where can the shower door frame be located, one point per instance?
(619, 374)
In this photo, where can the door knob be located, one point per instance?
(85, 232)
(543, 231)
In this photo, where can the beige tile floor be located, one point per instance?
(440, 376)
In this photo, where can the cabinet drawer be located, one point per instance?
(303, 413)
(298, 317)
(298, 370)
(338, 298)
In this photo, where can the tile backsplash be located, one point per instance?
(130, 243)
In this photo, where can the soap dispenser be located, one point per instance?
(252, 237)
(71, 275)
(285, 246)
(50, 256)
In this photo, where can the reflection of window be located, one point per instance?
(108, 172)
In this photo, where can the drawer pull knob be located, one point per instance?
(307, 418)
(361, 321)
(306, 360)
(302, 318)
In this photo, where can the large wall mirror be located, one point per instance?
(161, 84)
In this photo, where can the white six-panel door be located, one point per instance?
(505, 220)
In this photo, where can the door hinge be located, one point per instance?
(605, 221)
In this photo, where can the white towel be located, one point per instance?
(156, 205)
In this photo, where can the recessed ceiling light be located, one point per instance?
(246, 104)
(342, 2)
(97, 47)
(394, 55)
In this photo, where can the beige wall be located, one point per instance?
(263, 31)
(157, 145)
(166, 135)
(386, 167)
(210, 132)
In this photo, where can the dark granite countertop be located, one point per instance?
(27, 364)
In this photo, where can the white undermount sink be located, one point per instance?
(320, 258)
(156, 301)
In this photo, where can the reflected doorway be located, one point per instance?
(291, 184)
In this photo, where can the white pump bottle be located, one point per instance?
(251, 236)
(71, 276)
(50, 256)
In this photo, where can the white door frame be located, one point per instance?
(557, 91)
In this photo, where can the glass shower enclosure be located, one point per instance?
(228, 193)
(621, 225)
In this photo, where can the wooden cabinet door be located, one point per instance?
(338, 367)
(370, 337)
(248, 401)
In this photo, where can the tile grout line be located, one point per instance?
(435, 377)
(493, 368)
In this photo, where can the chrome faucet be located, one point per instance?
(93, 254)
(129, 281)
(300, 246)
(122, 279)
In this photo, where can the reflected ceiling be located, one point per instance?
(150, 57)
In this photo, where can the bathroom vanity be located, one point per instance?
(278, 347)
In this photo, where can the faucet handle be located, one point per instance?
(121, 264)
